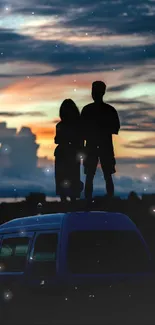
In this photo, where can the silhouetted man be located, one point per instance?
(99, 121)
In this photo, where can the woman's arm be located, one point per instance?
(62, 134)
(58, 135)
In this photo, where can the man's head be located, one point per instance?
(98, 90)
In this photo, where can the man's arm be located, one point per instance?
(115, 122)
(58, 137)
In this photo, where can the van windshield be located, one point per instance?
(106, 252)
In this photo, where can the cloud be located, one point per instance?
(44, 162)
(124, 184)
(20, 187)
(55, 121)
(119, 21)
(146, 143)
(136, 160)
(119, 88)
(137, 119)
(19, 149)
(43, 131)
(153, 177)
(124, 101)
(124, 16)
(16, 114)
(66, 58)
(23, 176)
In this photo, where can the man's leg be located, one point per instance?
(89, 186)
(109, 184)
(91, 166)
(108, 167)
(63, 198)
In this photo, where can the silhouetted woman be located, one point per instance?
(67, 153)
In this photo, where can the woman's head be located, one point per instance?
(69, 111)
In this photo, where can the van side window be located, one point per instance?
(13, 254)
(106, 252)
(44, 254)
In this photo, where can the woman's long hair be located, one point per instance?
(69, 112)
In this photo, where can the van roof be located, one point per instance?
(71, 220)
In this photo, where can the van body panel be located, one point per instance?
(33, 220)
(61, 294)
(64, 224)
(34, 223)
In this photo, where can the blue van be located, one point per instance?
(68, 260)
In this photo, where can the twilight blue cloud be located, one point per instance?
(140, 160)
(137, 119)
(67, 58)
(16, 114)
(147, 143)
(124, 17)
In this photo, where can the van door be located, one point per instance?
(43, 259)
(14, 251)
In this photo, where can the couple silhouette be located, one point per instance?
(88, 137)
